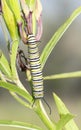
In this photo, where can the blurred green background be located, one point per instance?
(66, 57)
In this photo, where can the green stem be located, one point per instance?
(76, 74)
(18, 83)
(39, 109)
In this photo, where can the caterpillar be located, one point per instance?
(35, 66)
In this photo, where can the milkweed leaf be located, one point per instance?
(18, 124)
(75, 74)
(4, 65)
(16, 89)
(57, 36)
(63, 121)
(71, 125)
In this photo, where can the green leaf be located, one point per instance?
(13, 57)
(63, 121)
(57, 36)
(4, 66)
(17, 90)
(63, 75)
(18, 124)
(15, 44)
(2, 76)
(63, 110)
(9, 20)
(20, 100)
(15, 7)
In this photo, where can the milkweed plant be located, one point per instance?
(22, 17)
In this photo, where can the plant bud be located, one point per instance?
(35, 6)
(38, 9)
(25, 8)
(31, 4)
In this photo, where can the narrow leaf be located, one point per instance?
(15, 44)
(57, 36)
(17, 90)
(63, 121)
(15, 7)
(4, 66)
(13, 57)
(20, 100)
(63, 110)
(2, 77)
(18, 124)
(63, 75)
(9, 19)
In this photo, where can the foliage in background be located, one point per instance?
(9, 78)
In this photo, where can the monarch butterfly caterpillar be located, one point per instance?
(33, 63)
(35, 66)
